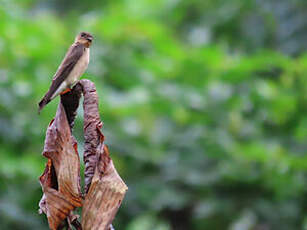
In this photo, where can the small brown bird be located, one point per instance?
(72, 67)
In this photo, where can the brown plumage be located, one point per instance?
(72, 67)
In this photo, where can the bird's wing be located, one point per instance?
(71, 58)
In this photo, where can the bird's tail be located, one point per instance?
(43, 103)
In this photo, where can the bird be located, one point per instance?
(71, 68)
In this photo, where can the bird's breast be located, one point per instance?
(79, 68)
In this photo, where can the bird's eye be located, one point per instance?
(83, 34)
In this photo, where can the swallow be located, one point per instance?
(70, 70)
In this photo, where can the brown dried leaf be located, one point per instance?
(72, 220)
(70, 101)
(91, 133)
(61, 196)
(106, 188)
(105, 195)
(61, 180)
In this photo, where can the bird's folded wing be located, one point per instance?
(71, 58)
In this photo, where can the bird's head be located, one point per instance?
(84, 38)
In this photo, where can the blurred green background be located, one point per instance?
(204, 104)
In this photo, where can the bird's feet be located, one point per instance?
(65, 91)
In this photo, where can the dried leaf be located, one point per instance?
(105, 195)
(106, 188)
(72, 220)
(70, 101)
(61, 180)
(91, 135)
(62, 197)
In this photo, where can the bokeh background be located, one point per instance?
(204, 104)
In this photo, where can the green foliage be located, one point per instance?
(204, 111)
